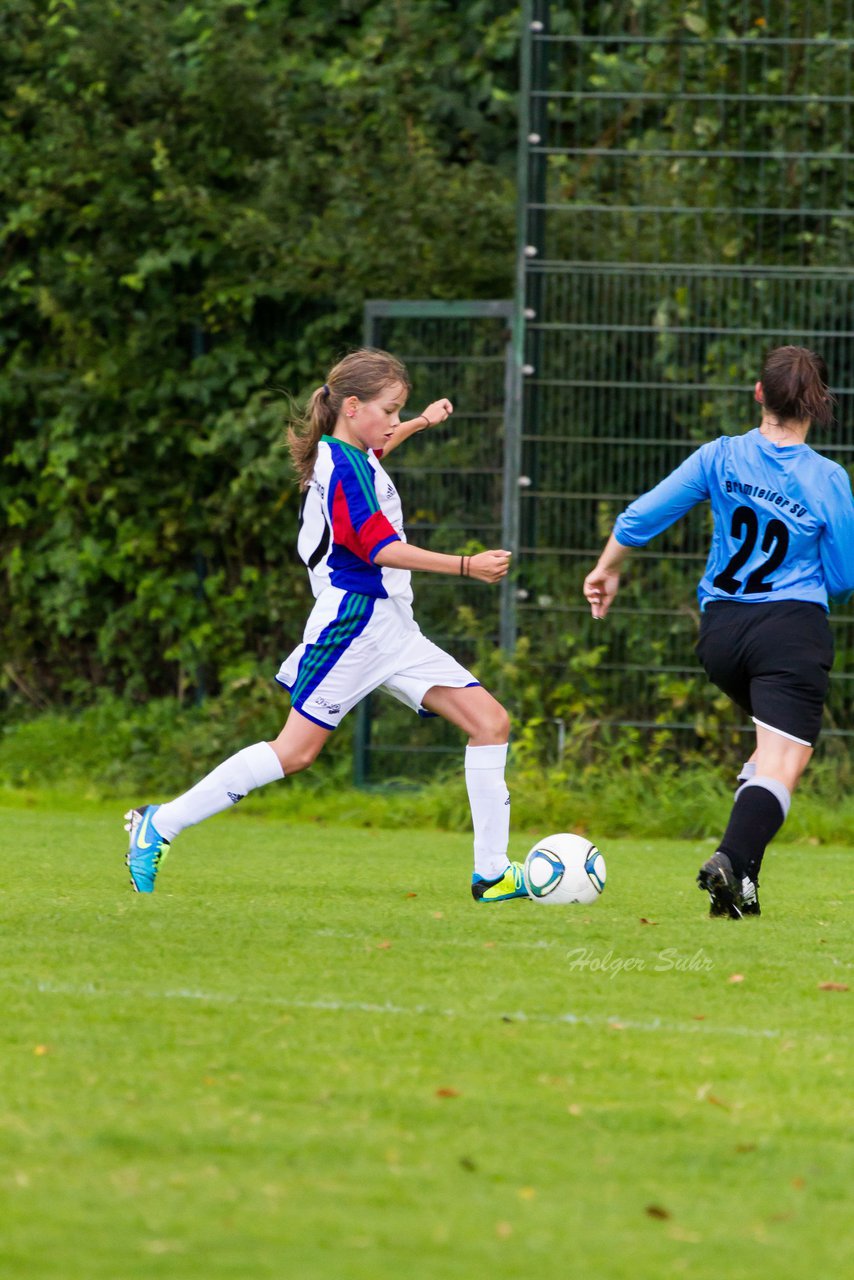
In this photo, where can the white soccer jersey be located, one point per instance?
(361, 634)
(351, 510)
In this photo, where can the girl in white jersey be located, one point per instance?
(783, 545)
(361, 634)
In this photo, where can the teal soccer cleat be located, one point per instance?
(510, 885)
(146, 850)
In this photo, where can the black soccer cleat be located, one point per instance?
(750, 897)
(718, 879)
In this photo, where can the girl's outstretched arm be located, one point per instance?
(485, 566)
(438, 411)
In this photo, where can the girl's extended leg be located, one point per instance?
(300, 743)
(296, 747)
(487, 726)
(153, 828)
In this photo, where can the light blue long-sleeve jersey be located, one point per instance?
(783, 520)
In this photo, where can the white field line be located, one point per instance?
(610, 1022)
(510, 944)
(564, 945)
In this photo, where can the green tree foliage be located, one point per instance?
(197, 199)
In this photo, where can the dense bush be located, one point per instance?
(198, 200)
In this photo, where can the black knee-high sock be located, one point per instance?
(758, 812)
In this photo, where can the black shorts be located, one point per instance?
(773, 660)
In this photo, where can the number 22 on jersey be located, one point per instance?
(746, 528)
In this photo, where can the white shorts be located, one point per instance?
(354, 644)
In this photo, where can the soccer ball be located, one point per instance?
(564, 868)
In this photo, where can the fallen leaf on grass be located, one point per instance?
(736, 977)
(383, 946)
(40, 1050)
(704, 1094)
(832, 986)
(644, 920)
(445, 1091)
(411, 895)
(656, 1211)
(699, 1017)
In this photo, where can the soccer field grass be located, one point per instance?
(310, 1054)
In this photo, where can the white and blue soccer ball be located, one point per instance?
(564, 868)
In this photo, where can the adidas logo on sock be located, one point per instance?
(235, 798)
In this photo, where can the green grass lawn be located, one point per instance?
(310, 1054)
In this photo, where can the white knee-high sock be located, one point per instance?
(490, 808)
(221, 789)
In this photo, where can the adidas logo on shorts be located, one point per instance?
(332, 708)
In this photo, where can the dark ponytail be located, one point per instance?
(794, 386)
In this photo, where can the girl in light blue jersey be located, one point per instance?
(361, 634)
(782, 548)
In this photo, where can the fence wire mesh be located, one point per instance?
(684, 190)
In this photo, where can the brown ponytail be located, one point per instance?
(794, 386)
(305, 431)
(364, 374)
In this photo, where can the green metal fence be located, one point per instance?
(683, 206)
(457, 485)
